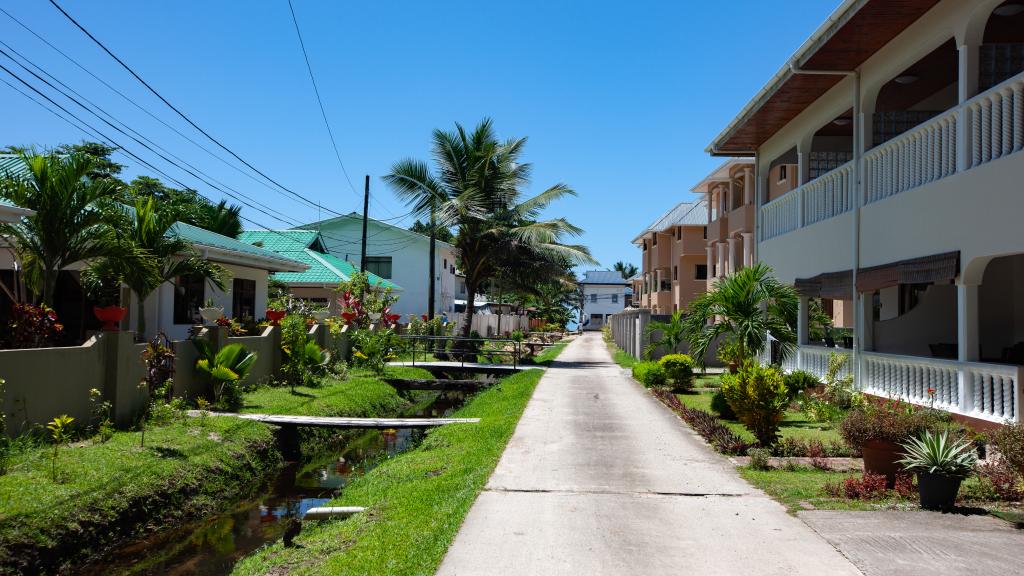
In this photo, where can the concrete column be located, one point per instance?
(721, 260)
(802, 320)
(733, 256)
(711, 265)
(748, 249)
(803, 157)
(748, 186)
(967, 87)
(865, 308)
(121, 385)
(967, 332)
(708, 202)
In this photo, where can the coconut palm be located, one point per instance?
(150, 230)
(71, 220)
(477, 189)
(744, 307)
(626, 269)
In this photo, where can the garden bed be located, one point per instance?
(416, 501)
(796, 424)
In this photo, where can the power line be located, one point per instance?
(262, 207)
(319, 101)
(182, 114)
(146, 111)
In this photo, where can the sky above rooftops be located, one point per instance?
(618, 100)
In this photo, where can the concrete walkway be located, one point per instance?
(600, 478)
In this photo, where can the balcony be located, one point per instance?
(741, 219)
(985, 128)
(977, 390)
(718, 230)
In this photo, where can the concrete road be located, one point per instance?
(600, 478)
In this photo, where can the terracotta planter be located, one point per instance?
(111, 316)
(937, 492)
(275, 316)
(880, 457)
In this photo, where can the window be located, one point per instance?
(654, 239)
(445, 267)
(188, 297)
(452, 268)
(615, 298)
(705, 232)
(379, 265)
(243, 299)
(675, 272)
(700, 272)
(593, 297)
(679, 232)
(666, 286)
(783, 174)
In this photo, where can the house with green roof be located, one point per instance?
(325, 271)
(396, 254)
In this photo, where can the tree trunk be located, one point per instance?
(49, 285)
(470, 309)
(140, 322)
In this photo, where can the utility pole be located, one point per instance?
(366, 209)
(433, 263)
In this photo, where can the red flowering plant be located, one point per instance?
(32, 326)
(363, 305)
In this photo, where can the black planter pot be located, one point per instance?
(937, 492)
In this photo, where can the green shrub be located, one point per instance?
(721, 406)
(1009, 441)
(650, 374)
(798, 381)
(678, 369)
(890, 420)
(759, 458)
(758, 396)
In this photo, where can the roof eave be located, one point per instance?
(226, 256)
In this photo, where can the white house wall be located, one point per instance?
(604, 304)
(410, 261)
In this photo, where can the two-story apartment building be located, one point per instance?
(728, 194)
(674, 267)
(887, 175)
(604, 294)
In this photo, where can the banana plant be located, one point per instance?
(225, 368)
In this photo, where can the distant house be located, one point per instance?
(604, 294)
(12, 213)
(395, 254)
(325, 271)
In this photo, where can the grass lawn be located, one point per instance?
(549, 354)
(110, 490)
(795, 425)
(796, 488)
(416, 501)
(360, 394)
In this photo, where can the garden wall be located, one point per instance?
(42, 383)
(489, 325)
(629, 332)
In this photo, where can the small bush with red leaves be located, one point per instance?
(32, 326)
(871, 487)
(996, 481)
(704, 423)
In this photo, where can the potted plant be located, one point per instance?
(941, 464)
(211, 313)
(878, 429)
(275, 312)
(103, 287)
(321, 315)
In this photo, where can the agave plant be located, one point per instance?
(226, 368)
(939, 454)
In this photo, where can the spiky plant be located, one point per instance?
(939, 454)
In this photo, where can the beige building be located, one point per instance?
(674, 268)
(887, 175)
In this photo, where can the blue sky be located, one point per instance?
(618, 99)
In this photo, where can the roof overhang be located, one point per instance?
(852, 34)
(12, 214)
(222, 255)
(720, 174)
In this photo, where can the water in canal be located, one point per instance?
(212, 546)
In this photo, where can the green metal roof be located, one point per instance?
(323, 268)
(203, 237)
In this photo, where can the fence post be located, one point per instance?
(126, 393)
(276, 354)
(1018, 404)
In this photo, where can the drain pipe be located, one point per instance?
(858, 313)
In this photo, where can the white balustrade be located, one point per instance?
(919, 156)
(780, 215)
(828, 195)
(997, 118)
(986, 391)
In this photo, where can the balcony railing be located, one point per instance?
(985, 128)
(986, 391)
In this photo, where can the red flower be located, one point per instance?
(423, 317)
(348, 316)
(931, 390)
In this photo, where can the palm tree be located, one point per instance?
(673, 333)
(71, 220)
(220, 218)
(149, 230)
(626, 269)
(477, 189)
(745, 307)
